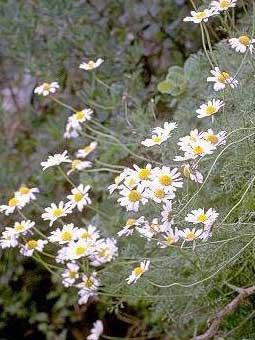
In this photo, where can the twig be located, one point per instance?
(228, 309)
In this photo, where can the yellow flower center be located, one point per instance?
(210, 110)
(202, 218)
(144, 174)
(57, 212)
(46, 86)
(32, 244)
(223, 77)
(156, 139)
(186, 172)
(88, 283)
(19, 227)
(198, 150)
(78, 196)
(200, 15)
(103, 252)
(86, 235)
(130, 222)
(91, 64)
(72, 274)
(80, 250)
(212, 139)
(75, 162)
(134, 196)
(224, 3)
(87, 149)
(79, 115)
(190, 235)
(165, 180)
(138, 271)
(169, 240)
(131, 182)
(244, 40)
(153, 227)
(13, 202)
(24, 190)
(66, 236)
(159, 193)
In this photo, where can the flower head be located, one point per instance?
(200, 16)
(223, 5)
(242, 43)
(32, 245)
(221, 79)
(138, 272)
(91, 65)
(160, 135)
(79, 165)
(209, 109)
(56, 159)
(13, 204)
(201, 216)
(79, 197)
(96, 331)
(82, 153)
(46, 88)
(70, 274)
(67, 234)
(190, 234)
(54, 212)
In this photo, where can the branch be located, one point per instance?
(228, 309)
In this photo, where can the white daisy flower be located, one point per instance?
(209, 109)
(67, 234)
(192, 173)
(91, 65)
(221, 79)
(169, 237)
(223, 5)
(88, 287)
(54, 212)
(200, 216)
(159, 193)
(159, 135)
(190, 234)
(79, 197)
(193, 137)
(27, 194)
(56, 159)
(32, 245)
(242, 43)
(8, 240)
(198, 149)
(82, 153)
(130, 225)
(215, 139)
(115, 186)
(198, 17)
(79, 165)
(80, 117)
(149, 230)
(96, 331)
(167, 214)
(89, 234)
(70, 274)
(168, 179)
(105, 252)
(21, 227)
(46, 88)
(138, 272)
(78, 249)
(132, 198)
(13, 204)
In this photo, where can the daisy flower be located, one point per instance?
(68, 233)
(21, 227)
(220, 79)
(215, 139)
(79, 165)
(192, 173)
(56, 159)
(78, 249)
(70, 274)
(167, 178)
(223, 5)
(96, 331)
(89, 234)
(200, 216)
(198, 149)
(82, 153)
(209, 109)
(105, 252)
(32, 245)
(190, 234)
(167, 214)
(8, 240)
(159, 135)
(91, 65)
(138, 272)
(198, 17)
(46, 88)
(170, 237)
(27, 194)
(130, 225)
(150, 229)
(54, 212)
(81, 116)
(143, 174)
(159, 193)
(242, 43)
(131, 198)
(79, 197)
(115, 186)
(13, 203)
(88, 287)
